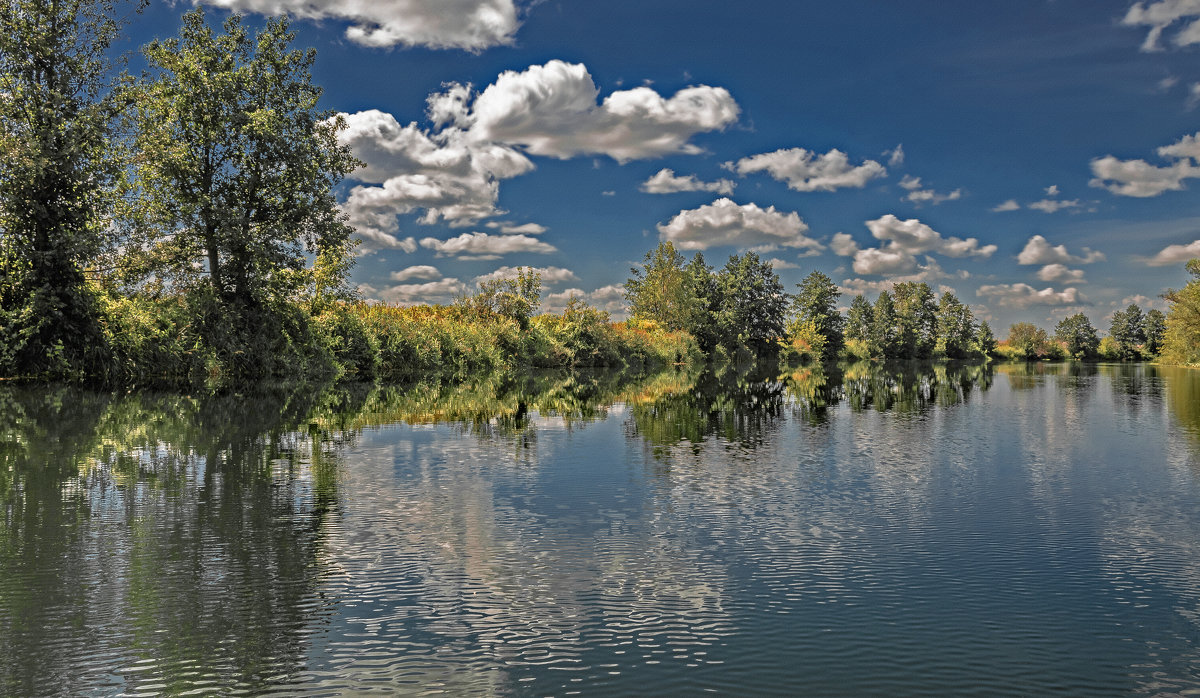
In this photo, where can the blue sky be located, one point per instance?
(1035, 157)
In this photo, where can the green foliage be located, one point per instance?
(236, 166)
(1128, 332)
(805, 340)
(885, 340)
(1028, 342)
(985, 341)
(58, 109)
(955, 328)
(1181, 339)
(1154, 328)
(815, 304)
(661, 290)
(752, 303)
(916, 314)
(1078, 337)
(517, 299)
(1108, 350)
(859, 320)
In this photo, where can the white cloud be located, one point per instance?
(777, 263)
(665, 181)
(449, 177)
(903, 240)
(1052, 190)
(843, 245)
(1175, 254)
(484, 246)
(1010, 205)
(610, 299)
(930, 272)
(806, 171)
(929, 196)
(914, 236)
(1053, 205)
(508, 228)
(549, 275)
(441, 291)
(1162, 14)
(464, 24)
(1141, 179)
(918, 195)
(1025, 296)
(1039, 251)
(420, 272)
(724, 222)
(895, 156)
(551, 110)
(1060, 273)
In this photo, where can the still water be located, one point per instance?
(937, 531)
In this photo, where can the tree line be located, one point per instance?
(183, 223)
(744, 304)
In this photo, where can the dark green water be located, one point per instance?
(1029, 531)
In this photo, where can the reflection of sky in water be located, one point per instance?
(907, 534)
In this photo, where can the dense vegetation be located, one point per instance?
(181, 227)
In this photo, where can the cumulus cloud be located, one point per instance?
(1060, 273)
(930, 272)
(549, 275)
(1053, 205)
(1158, 16)
(777, 263)
(465, 24)
(1052, 190)
(1025, 296)
(1039, 251)
(551, 110)
(1010, 205)
(610, 299)
(484, 246)
(1142, 179)
(1175, 254)
(843, 245)
(453, 171)
(917, 194)
(895, 156)
(508, 228)
(665, 181)
(724, 222)
(806, 171)
(903, 241)
(449, 177)
(441, 291)
(420, 272)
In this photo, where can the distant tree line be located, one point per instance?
(744, 304)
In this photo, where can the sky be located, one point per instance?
(1034, 157)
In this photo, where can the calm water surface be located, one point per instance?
(962, 531)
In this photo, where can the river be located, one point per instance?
(962, 530)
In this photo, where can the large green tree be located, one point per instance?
(1028, 340)
(752, 303)
(955, 327)
(1154, 327)
(886, 338)
(859, 319)
(237, 165)
(58, 108)
(815, 302)
(1127, 331)
(1079, 336)
(1181, 341)
(662, 290)
(916, 308)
